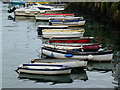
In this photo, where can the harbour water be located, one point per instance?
(20, 43)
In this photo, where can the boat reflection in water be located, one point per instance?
(116, 71)
(100, 66)
(11, 18)
(21, 18)
(56, 79)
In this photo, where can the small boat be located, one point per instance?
(87, 47)
(34, 9)
(100, 55)
(68, 21)
(70, 40)
(41, 27)
(43, 69)
(47, 17)
(74, 63)
(49, 33)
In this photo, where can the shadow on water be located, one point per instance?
(116, 70)
(21, 18)
(55, 79)
(99, 66)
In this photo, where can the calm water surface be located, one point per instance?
(20, 43)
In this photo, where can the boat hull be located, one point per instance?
(30, 13)
(41, 27)
(43, 69)
(79, 23)
(45, 72)
(70, 41)
(65, 62)
(90, 57)
(83, 47)
(62, 35)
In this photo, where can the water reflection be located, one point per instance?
(11, 18)
(56, 79)
(100, 66)
(43, 78)
(116, 70)
(21, 18)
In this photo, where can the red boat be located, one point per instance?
(72, 40)
(60, 14)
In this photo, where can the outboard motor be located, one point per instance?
(12, 9)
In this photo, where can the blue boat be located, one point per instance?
(71, 21)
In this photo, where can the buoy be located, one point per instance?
(90, 56)
(63, 20)
(68, 55)
(52, 55)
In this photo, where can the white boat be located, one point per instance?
(65, 62)
(100, 55)
(50, 33)
(47, 17)
(35, 9)
(43, 69)
(41, 27)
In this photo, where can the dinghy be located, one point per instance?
(70, 40)
(47, 17)
(100, 55)
(74, 63)
(43, 69)
(41, 27)
(49, 33)
(87, 47)
(72, 21)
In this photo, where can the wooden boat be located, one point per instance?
(43, 69)
(54, 79)
(34, 9)
(68, 21)
(100, 55)
(47, 17)
(70, 40)
(87, 47)
(49, 33)
(41, 27)
(65, 62)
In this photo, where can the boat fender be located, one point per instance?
(51, 55)
(68, 55)
(90, 56)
